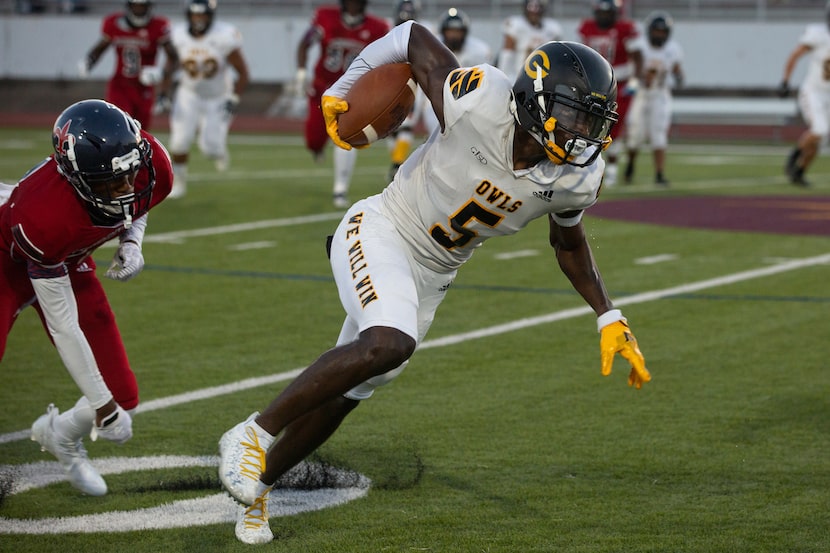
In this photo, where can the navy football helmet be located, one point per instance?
(96, 145)
(566, 97)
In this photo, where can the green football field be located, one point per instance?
(501, 435)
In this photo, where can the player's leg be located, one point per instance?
(184, 123)
(635, 134)
(344, 162)
(377, 338)
(62, 433)
(213, 134)
(660, 121)
(815, 109)
(16, 293)
(617, 136)
(145, 97)
(315, 133)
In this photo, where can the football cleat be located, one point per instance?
(340, 201)
(71, 455)
(252, 527)
(241, 460)
(610, 177)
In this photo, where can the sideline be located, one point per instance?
(643, 297)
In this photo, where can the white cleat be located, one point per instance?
(610, 177)
(340, 201)
(71, 455)
(252, 526)
(179, 189)
(222, 164)
(241, 461)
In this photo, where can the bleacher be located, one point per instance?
(734, 10)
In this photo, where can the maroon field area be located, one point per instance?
(800, 215)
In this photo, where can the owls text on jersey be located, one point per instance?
(460, 188)
(204, 59)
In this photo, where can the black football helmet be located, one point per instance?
(353, 19)
(199, 7)
(455, 19)
(566, 97)
(605, 12)
(139, 13)
(658, 27)
(97, 143)
(407, 10)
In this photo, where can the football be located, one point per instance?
(379, 101)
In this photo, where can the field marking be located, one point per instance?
(178, 235)
(643, 297)
(219, 508)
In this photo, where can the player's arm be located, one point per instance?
(171, 63)
(94, 54)
(789, 67)
(237, 61)
(60, 310)
(309, 38)
(577, 263)
(408, 42)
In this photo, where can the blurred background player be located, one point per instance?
(342, 32)
(99, 184)
(136, 34)
(400, 141)
(524, 33)
(454, 32)
(615, 38)
(813, 96)
(649, 117)
(207, 94)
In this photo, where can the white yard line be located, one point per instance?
(643, 297)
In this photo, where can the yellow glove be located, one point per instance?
(617, 338)
(332, 107)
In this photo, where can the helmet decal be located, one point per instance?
(538, 59)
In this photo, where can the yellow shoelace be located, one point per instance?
(253, 460)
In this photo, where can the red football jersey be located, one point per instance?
(45, 220)
(611, 43)
(134, 48)
(340, 44)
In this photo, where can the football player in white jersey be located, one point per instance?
(649, 117)
(813, 96)
(207, 94)
(506, 153)
(524, 33)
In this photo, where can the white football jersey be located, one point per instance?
(473, 52)
(658, 63)
(459, 188)
(817, 37)
(204, 59)
(528, 38)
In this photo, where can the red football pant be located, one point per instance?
(134, 98)
(95, 316)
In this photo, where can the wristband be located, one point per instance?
(609, 317)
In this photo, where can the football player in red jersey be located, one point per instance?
(615, 38)
(104, 176)
(137, 35)
(342, 32)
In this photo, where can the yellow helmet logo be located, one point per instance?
(537, 59)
